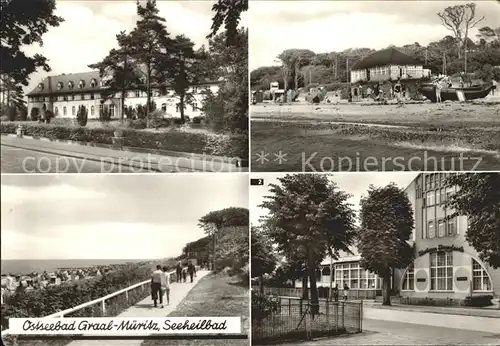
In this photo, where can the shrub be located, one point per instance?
(130, 113)
(478, 301)
(48, 116)
(82, 116)
(141, 112)
(198, 143)
(35, 113)
(155, 120)
(197, 120)
(104, 115)
(264, 305)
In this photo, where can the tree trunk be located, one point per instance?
(459, 49)
(386, 290)
(261, 284)
(314, 290)
(331, 279)
(181, 98)
(296, 76)
(305, 290)
(148, 90)
(465, 51)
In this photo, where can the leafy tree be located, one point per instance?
(232, 96)
(24, 24)
(215, 222)
(460, 19)
(478, 198)
(82, 116)
(180, 68)
(294, 59)
(263, 258)
(228, 13)
(386, 227)
(35, 113)
(149, 42)
(118, 71)
(308, 218)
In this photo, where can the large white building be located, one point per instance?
(63, 94)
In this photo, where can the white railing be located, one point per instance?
(102, 301)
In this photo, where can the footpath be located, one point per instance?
(172, 162)
(473, 319)
(144, 308)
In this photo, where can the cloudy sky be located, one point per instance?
(110, 216)
(325, 26)
(355, 184)
(90, 27)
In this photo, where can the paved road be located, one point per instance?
(377, 332)
(16, 160)
(144, 308)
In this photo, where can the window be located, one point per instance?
(65, 98)
(438, 196)
(137, 93)
(354, 276)
(451, 226)
(112, 111)
(430, 229)
(92, 96)
(195, 107)
(92, 110)
(430, 198)
(93, 83)
(441, 228)
(72, 97)
(73, 109)
(81, 84)
(56, 111)
(409, 279)
(441, 271)
(59, 85)
(70, 85)
(480, 279)
(164, 107)
(64, 111)
(40, 86)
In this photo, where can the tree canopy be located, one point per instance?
(478, 198)
(227, 14)
(386, 226)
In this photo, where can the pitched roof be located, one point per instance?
(76, 78)
(384, 57)
(65, 79)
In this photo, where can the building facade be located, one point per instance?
(63, 95)
(445, 265)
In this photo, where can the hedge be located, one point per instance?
(235, 145)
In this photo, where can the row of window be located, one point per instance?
(441, 268)
(91, 110)
(445, 228)
(353, 275)
(440, 196)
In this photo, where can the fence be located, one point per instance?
(323, 292)
(109, 305)
(291, 319)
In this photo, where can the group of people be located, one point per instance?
(336, 292)
(183, 272)
(160, 281)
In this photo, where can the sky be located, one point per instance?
(90, 27)
(355, 184)
(325, 26)
(110, 216)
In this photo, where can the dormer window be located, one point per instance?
(40, 86)
(71, 85)
(60, 85)
(93, 83)
(81, 85)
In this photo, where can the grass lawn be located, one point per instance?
(318, 146)
(214, 295)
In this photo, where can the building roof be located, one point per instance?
(384, 57)
(44, 88)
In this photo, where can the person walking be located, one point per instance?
(165, 284)
(346, 289)
(178, 271)
(398, 89)
(156, 280)
(336, 293)
(438, 85)
(191, 270)
(184, 274)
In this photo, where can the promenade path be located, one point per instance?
(144, 308)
